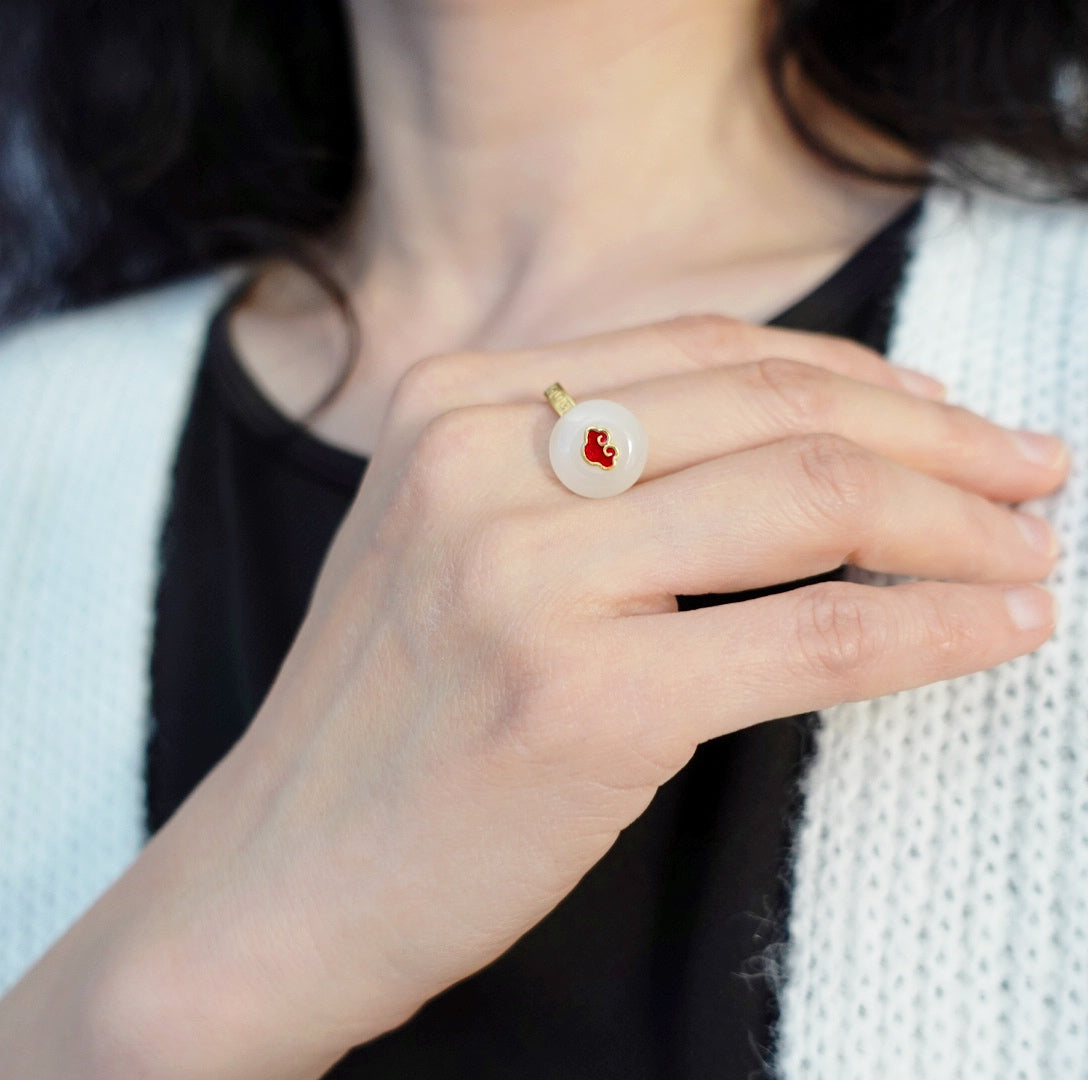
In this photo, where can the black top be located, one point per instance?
(653, 966)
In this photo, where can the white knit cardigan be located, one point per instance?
(939, 920)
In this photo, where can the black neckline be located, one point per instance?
(248, 406)
(871, 270)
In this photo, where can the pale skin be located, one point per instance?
(492, 679)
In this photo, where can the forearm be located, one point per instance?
(176, 974)
(61, 1021)
(46, 1025)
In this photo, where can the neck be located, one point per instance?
(518, 151)
(519, 147)
(544, 169)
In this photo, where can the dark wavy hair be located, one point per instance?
(143, 139)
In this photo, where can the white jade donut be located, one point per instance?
(598, 448)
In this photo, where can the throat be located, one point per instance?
(545, 170)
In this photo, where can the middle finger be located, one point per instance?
(699, 416)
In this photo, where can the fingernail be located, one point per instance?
(922, 385)
(1030, 607)
(1040, 449)
(1038, 534)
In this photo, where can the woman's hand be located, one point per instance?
(493, 679)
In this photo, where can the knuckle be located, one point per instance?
(945, 633)
(842, 630)
(709, 339)
(800, 394)
(839, 631)
(452, 431)
(430, 386)
(438, 471)
(956, 436)
(839, 479)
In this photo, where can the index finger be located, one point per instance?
(599, 364)
(697, 342)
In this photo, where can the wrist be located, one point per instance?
(159, 1013)
(209, 971)
(183, 970)
(121, 996)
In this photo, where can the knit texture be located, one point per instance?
(90, 412)
(939, 920)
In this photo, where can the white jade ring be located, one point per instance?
(597, 448)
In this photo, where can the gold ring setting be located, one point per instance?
(597, 448)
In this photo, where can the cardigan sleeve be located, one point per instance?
(91, 405)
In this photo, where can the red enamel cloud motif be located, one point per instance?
(598, 450)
